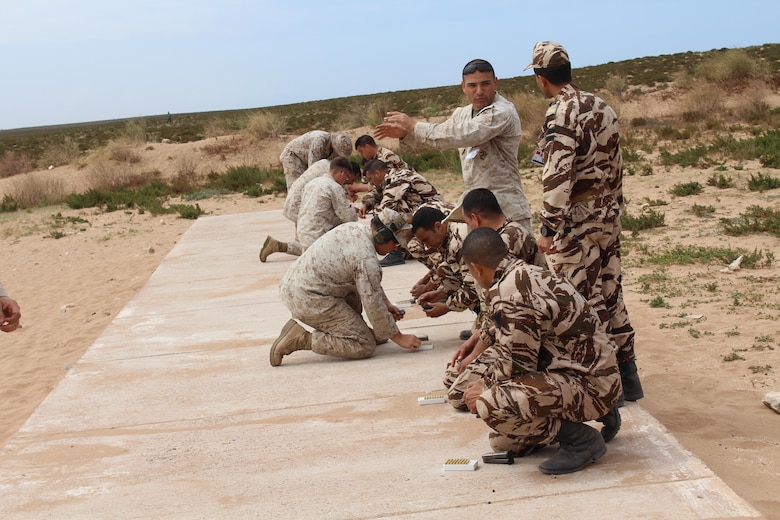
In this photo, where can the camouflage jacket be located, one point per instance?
(324, 206)
(341, 263)
(451, 274)
(488, 143)
(521, 245)
(544, 324)
(310, 147)
(391, 159)
(405, 191)
(583, 167)
(292, 202)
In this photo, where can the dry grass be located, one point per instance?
(60, 153)
(531, 109)
(15, 163)
(262, 124)
(36, 189)
(106, 176)
(124, 150)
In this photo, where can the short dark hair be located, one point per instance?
(425, 218)
(375, 165)
(364, 140)
(355, 168)
(556, 75)
(483, 202)
(340, 163)
(484, 246)
(478, 65)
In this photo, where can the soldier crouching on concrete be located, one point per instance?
(330, 284)
(555, 368)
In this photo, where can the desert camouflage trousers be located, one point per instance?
(456, 382)
(526, 412)
(293, 167)
(339, 328)
(588, 255)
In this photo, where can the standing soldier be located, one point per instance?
(583, 199)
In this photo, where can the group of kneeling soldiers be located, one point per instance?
(540, 360)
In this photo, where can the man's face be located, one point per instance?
(345, 177)
(470, 221)
(367, 152)
(544, 86)
(432, 239)
(479, 275)
(375, 178)
(480, 88)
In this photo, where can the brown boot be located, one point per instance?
(271, 245)
(293, 337)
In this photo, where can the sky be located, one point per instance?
(71, 61)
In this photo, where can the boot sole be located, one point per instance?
(287, 326)
(591, 460)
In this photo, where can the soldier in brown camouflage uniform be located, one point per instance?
(555, 366)
(471, 360)
(369, 150)
(486, 133)
(440, 245)
(324, 206)
(583, 199)
(307, 149)
(331, 284)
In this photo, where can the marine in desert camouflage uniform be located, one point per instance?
(471, 360)
(555, 366)
(292, 203)
(486, 134)
(324, 206)
(440, 251)
(331, 284)
(583, 199)
(307, 149)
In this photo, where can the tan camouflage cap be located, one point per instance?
(342, 144)
(548, 54)
(396, 223)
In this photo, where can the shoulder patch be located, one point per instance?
(551, 110)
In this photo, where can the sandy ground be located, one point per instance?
(70, 288)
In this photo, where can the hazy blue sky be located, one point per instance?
(68, 61)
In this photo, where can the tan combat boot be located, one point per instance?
(271, 245)
(293, 337)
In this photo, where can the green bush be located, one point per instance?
(649, 220)
(754, 220)
(685, 189)
(720, 181)
(761, 182)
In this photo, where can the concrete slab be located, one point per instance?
(175, 412)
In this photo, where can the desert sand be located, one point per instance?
(70, 288)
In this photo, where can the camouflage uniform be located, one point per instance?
(292, 202)
(522, 245)
(405, 191)
(447, 270)
(324, 206)
(583, 198)
(305, 150)
(553, 359)
(391, 159)
(328, 287)
(488, 143)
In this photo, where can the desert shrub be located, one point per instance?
(638, 122)
(188, 211)
(670, 133)
(765, 147)
(752, 104)
(134, 131)
(702, 102)
(33, 190)
(264, 124)
(730, 68)
(762, 182)
(61, 152)
(108, 176)
(238, 179)
(648, 220)
(616, 84)
(702, 211)
(685, 189)
(429, 159)
(531, 108)
(13, 163)
(688, 255)
(9, 204)
(720, 181)
(124, 151)
(222, 148)
(691, 157)
(755, 219)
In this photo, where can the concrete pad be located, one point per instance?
(175, 412)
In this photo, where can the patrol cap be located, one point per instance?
(396, 223)
(341, 143)
(547, 55)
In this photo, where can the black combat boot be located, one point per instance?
(393, 258)
(632, 388)
(579, 446)
(611, 422)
